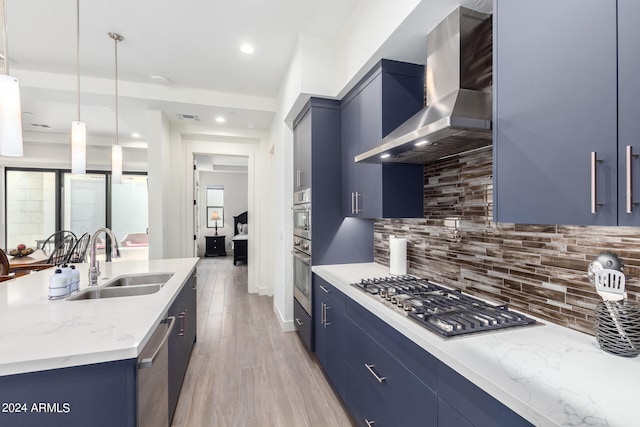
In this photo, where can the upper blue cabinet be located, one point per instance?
(565, 111)
(387, 96)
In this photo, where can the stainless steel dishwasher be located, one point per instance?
(153, 377)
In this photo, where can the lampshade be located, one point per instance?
(78, 148)
(10, 117)
(116, 164)
(215, 216)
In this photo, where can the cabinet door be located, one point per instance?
(349, 134)
(628, 123)
(555, 104)
(336, 325)
(303, 325)
(302, 153)
(175, 348)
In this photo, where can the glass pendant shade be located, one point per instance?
(78, 148)
(116, 164)
(10, 117)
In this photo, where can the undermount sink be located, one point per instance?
(139, 279)
(110, 292)
(127, 285)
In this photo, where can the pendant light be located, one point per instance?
(10, 114)
(116, 150)
(78, 128)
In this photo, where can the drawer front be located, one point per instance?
(407, 399)
(302, 322)
(473, 403)
(421, 363)
(328, 293)
(364, 406)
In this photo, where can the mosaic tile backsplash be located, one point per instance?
(536, 269)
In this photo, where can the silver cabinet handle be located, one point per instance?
(323, 315)
(353, 205)
(358, 196)
(183, 329)
(629, 178)
(370, 368)
(594, 183)
(325, 289)
(300, 179)
(147, 362)
(369, 423)
(298, 322)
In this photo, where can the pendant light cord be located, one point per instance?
(116, 38)
(77, 51)
(4, 37)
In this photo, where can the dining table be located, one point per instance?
(37, 257)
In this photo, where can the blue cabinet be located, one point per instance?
(330, 332)
(628, 112)
(387, 96)
(302, 152)
(304, 325)
(380, 363)
(182, 339)
(334, 241)
(102, 394)
(565, 110)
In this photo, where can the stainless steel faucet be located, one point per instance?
(94, 269)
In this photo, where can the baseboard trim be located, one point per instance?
(285, 325)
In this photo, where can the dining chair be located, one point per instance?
(62, 250)
(79, 251)
(4, 264)
(51, 243)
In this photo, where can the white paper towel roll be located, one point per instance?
(397, 256)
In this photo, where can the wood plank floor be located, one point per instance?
(244, 371)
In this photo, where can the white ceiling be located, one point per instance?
(194, 43)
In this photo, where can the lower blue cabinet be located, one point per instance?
(330, 331)
(385, 379)
(399, 397)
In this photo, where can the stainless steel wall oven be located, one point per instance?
(302, 249)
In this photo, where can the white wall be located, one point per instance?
(235, 202)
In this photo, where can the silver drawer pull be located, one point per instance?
(629, 178)
(298, 322)
(370, 368)
(325, 289)
(369, 423)
(594, 183)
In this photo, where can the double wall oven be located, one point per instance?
(302, 249)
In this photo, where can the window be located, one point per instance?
(40, 202)
(30, 207)
(215, 206)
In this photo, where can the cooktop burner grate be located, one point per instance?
(447, 312)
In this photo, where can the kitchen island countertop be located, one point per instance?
(38, 334)
(548, 374)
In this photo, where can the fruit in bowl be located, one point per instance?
(21, 250)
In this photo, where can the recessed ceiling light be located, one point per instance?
(384, 156)
(421, 143)
(135, 135)
(247, 48)
(220, 119)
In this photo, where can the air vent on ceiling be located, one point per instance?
(38, 125)
(192, 117)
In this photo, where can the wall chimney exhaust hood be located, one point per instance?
(457, 116)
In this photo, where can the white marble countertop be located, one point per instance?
(38, 334)
(550, 375)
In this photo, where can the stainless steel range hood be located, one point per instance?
(457, 117)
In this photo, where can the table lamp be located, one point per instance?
(215, 217)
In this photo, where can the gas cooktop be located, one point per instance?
(444, 311)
